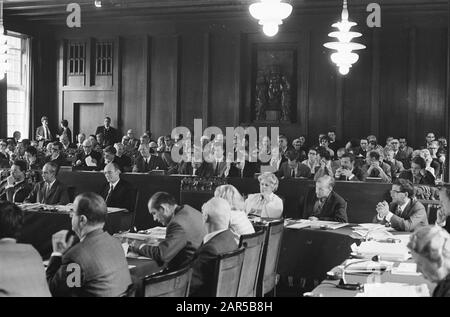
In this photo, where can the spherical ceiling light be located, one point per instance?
(344, 58)
(270, 14)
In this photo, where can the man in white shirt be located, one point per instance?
(405, 213)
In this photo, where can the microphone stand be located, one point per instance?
(353, 286)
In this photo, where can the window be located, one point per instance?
(104, 58)
(77, 59)
(18, 77)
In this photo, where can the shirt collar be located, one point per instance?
(114, 184)
(51, 184)
(211, 235)
(402, 207)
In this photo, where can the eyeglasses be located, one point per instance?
(395, 191)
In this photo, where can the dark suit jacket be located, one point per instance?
(60, 160)
(360, 175)
(334, 208)
(185, 168)
(249, 171)
(103, 267)
(110, 136)
(40, 132)
(141, 166)
(82, 156)
(57, 194)
(285, 170)
(443, 288)
(123, 195)
(18, 193)
(414, 216)
(219, 170)
(202, 282)
(124, 162)
(428, 179)
(184, 234)
(22, 272)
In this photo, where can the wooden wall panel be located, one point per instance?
(223, 102)
(164, 84)
(134, 84)
(322, 87)
(394, 55)
(431, 82)
(192, 78)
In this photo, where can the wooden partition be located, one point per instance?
(361, 197)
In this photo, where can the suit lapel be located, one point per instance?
(51, 191)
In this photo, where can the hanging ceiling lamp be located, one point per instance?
(3, 45)
(344, 57)
(270, 14)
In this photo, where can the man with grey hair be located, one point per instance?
(50, 191)
(218, 239)
(94, 267)
(322, 203)
(88, 159)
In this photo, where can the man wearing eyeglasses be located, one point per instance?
(88, 159)
(405, 213)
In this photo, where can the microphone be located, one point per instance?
(354, 286)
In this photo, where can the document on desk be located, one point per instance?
(89, 161)
(304, 223)
(394, 290)
(406, 268)
(386, 251)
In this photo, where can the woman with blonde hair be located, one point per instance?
(430, 248)
(239, 223)
(265, 204)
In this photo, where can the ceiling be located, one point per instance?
(52, 11)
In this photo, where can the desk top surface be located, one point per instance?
(65, 209)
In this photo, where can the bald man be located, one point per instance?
(219, 239)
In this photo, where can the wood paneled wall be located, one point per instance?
(173, 72)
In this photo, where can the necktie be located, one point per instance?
(292, 172)
(217, 169)
(45, 133)
(111, 188)
(399, 211)
(46, 190)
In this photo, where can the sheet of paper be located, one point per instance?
(394, 290)
(89, 162)
(406, 268)
(386, 251)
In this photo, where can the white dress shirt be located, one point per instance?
(257, 205)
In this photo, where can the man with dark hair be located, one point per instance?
(417, 174)
(109, 133)
(325, 167)
(118, 192)
(293, 168)
(43, 132)
(50, 191)
(145, 162)
(64, 130)
(94, 267)
(184, 233)
(35, 165)
(17, 187)
(57, 156)
(375, 167)
(322, 203)
(22, 273)
(324, 143)
(405, 213)
(109, 156)
(404, 152)
(334, 144)
(348, 171)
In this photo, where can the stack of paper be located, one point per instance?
(394, 290)
(385, 251)
(319, 224)
(406, 269)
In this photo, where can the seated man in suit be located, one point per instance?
(293, 168)
(57, 156)
(118, 192)
(145, 162)
(375, 167)
(201, 169)
(219, 239)
(109, 133)
(22, 273)
(348, 171)
(43, 132)
(50, 191)
(405, 213)
(184, 232)
(123, 159)
(109, 156)
(323, 203)
(88, 159)
(418, 174)
(17, 187)
(94, 267)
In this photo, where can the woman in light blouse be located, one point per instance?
(265, 204)
(430, 248)
(239, 223)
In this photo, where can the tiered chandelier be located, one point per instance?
(270, 14)
(3, 45)
(344, 58)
